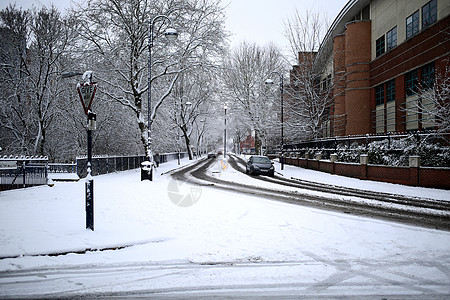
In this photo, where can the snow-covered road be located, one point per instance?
(224, 244)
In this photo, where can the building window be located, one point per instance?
(428, 76)
(379, 94)
(380, 46)
(429, 13)
(412, 25)
(391, 38)
(390, 90)
(412, 82)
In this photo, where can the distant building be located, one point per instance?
(377, 53)
(247, 145)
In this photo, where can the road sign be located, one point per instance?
(87, 92)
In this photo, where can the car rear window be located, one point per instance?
(261, 160)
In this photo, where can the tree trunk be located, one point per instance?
(187, 142)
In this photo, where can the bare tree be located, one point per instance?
(434, 102)
(40, 40)
(309, 94)
(15, 113)
(246, 71)
(193, 101)
(117, 33)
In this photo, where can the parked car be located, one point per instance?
(211, 155)
(260, 165)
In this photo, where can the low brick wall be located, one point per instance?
(421, 176)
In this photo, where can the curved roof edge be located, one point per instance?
(346, 14)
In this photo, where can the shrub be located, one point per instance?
(397, 152)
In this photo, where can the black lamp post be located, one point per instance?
(170, 34)
(270, 81)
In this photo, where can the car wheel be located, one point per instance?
(272, 174)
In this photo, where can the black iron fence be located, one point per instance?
(109, 164)
(333, 142)
(22, 171)
(26, 171)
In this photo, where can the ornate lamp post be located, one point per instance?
(270, 81)
(170, 34)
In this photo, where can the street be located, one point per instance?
(175, 239)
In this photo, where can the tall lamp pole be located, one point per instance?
(225, 135)
(171, 34)
(270, 81)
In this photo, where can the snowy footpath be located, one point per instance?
(223, 244)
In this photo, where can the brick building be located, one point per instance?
(247, 145)
(377, 54)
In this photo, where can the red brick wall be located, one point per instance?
(339, 75)
(326, 166)
(357, 63)
(399, 175)
(435, 178)
(350, 170)
(421, 49)
(426, 177)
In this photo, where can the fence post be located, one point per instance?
(414, 170)
(333, 159)
(364, 161)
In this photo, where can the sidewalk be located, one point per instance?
(369, 185)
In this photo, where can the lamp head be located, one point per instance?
(171, 34)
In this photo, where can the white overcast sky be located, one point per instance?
(259, 21)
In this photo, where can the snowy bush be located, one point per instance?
(396, 152)
(350, 153)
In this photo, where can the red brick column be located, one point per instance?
(364, 161)
(357, 63)
(339, 85)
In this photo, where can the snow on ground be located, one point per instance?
(318, 248)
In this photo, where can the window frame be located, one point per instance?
(391, 39)
(390, 90)
(413, 27)
(429, 14)
(380, 46)
(379, 95)
(412, 82)
(428, 76)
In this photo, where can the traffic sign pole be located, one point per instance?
(89, 179)
(86, 91)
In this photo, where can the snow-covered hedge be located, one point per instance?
(396, 152)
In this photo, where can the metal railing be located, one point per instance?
(25, 171)
(22, 171)
(109, 164)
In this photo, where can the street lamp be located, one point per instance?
(171, 34)
(225, 134)
(270, 81)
